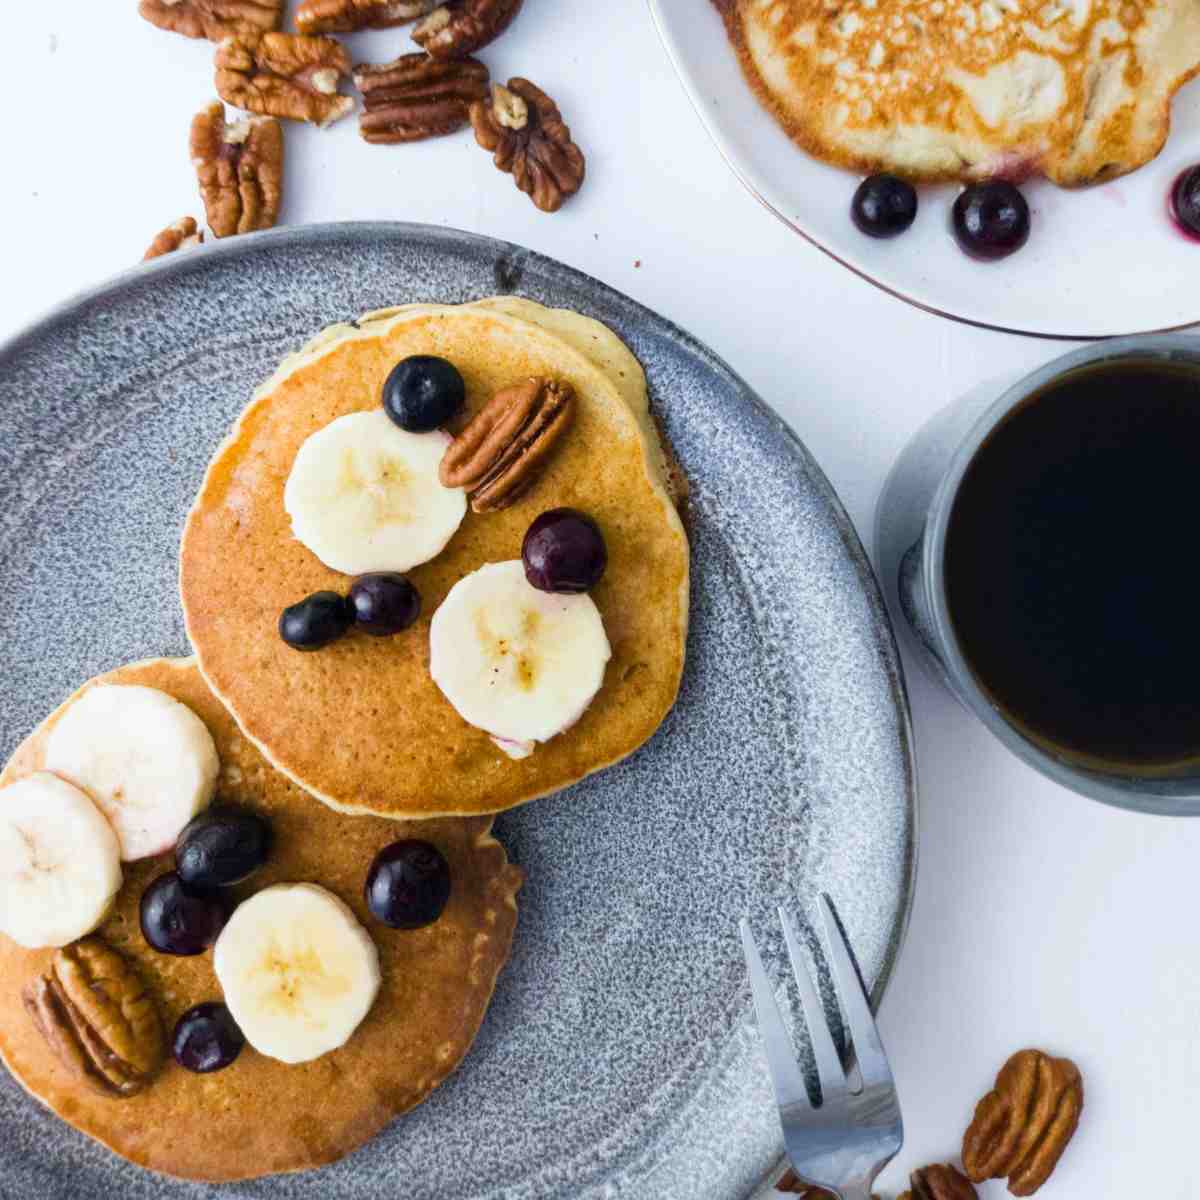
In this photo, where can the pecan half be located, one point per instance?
(96, 1014)
(284, 75)
(416, 97)
(940, 1182)
(523, 128)
(345, 16)
(175, 237)
(460, 27)
(1022, 1126)
(791, 1183)
(213, 19)
(239, 168)
(506, 445)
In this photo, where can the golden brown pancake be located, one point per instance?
(1076, 90)
(600, 346)
(260, 1116)
(596, 342)
(360, 723)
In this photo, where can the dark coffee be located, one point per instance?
(1071, 565)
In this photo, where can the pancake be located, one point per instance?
(593, 339)
(260, 1116)
(361, 724)
(596, 342)
(1075, 90)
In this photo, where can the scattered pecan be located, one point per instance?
(175, 237)
(96, 1014)
(460, 27)
(416, 97)
(345, 16)
(940, 1182)
(528, 137)
(506, 445)
(1023, 1125)
(213, 19)
(284, 75)
(239, 168)
(791, 1183)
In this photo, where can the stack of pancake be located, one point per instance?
(370, 732)
(347, 750)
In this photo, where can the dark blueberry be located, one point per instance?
(384, 603)
(408, 885)
(564, 551)
(884, 206)
(222, 846)
(207, 1039)
(315, 621)
(1185, 201)
(423, 392)
(991, 219)
(177, 919)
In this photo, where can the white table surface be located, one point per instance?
(1040, 918)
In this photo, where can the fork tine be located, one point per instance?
(829, 1065)
(868, 1049)
(781, 1055)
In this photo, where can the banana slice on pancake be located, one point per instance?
(518, 663)
(147, 761)
(60, 865)
(298, 971)
(364, 495)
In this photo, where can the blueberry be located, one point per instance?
(408, 884)
(222, 846)
(315, 621)
(1185, 201)
(991, 219)
(884, 206)
(207, 1039)
(384, 603)
(423, 392)
(564, 551)
(180, 920)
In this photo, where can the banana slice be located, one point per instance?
(298, 971)
(520, 664)
(60, 864)
(147, 761)
(364, 495)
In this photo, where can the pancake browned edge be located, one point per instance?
(360, 724)
(1075, 90)
(260, 1116)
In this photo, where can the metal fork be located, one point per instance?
(842, 1144)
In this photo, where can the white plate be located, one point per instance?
(1100, 261)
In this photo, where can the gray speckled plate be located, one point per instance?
(620, 1056)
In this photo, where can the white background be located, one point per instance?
(1040, 918)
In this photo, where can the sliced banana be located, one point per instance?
(60, 864)
(515, 750)
(298, 971)
(364, 495)
(518, 663)
(147, 761)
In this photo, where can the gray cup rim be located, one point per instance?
(1164, 797)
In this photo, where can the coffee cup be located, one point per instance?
(1037, 538)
